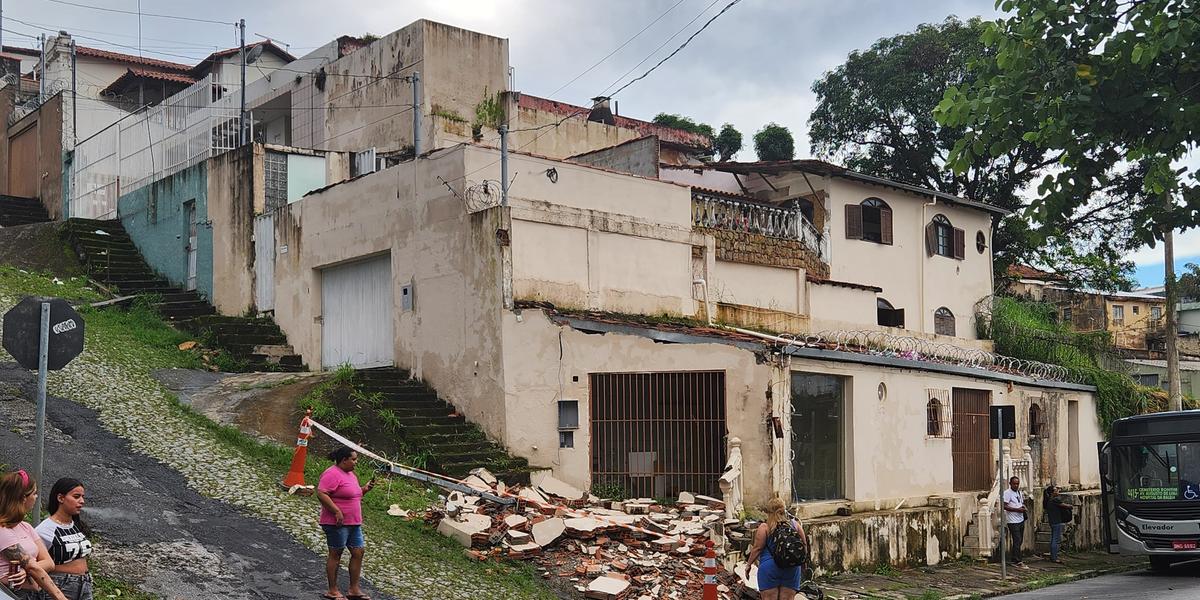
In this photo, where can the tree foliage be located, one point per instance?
(684, 123)
(728, 142)
(1111, 90)
(774, 142)
(875, 114)
(1188, 284)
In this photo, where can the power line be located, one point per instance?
(138, 13)
(49, 27)
(681, 47)
(627, 42)
(660, 47)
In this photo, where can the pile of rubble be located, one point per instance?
(609, 550)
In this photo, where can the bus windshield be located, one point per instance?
(1158, 472)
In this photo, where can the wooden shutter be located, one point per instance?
(885, 226)
(930, 238)
(898, 318)
(960, 243)
(854, 227)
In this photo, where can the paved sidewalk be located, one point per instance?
(973, 579)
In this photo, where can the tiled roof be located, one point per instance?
(666, 134)
(1028, 272)
(27, 52)
(133, 74)
(129, 58)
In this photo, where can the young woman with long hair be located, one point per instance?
(26, 560)
(774, 582)
(66, 538)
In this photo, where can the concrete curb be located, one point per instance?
(1064, 578)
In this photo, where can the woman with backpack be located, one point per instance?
(780, 548)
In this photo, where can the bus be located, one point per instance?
(1150, 487)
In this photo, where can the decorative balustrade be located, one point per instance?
(719, 212)
(731, 480)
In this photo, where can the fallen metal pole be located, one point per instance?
(446, 483)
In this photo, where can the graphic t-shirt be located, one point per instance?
(23, 535)
(343, 488)
(64, 542)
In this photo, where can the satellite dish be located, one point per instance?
(254, 53)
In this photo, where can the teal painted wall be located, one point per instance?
(154, 217)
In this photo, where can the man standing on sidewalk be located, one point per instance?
(1014, 516)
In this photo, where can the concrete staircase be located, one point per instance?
(431, 424)
(15, 210)
(110, 257)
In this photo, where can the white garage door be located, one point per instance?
(356, 302)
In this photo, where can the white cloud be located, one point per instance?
(1187, 244)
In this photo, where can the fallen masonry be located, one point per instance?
(608, 550)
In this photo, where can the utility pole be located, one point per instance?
(1176, 392)
(504, 165)
(242, 110)
(74, 100)
(416, 90)
(42, 67)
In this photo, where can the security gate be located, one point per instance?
(657, 434)
(356, 313)
(264, 262)
(970, 446)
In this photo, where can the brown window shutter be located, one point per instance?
(854, 228)
(960, 243)
(930, 238)
(898, 318)
(885, 226)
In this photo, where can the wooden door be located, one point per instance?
(970, 446)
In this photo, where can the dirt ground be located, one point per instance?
(38, 247)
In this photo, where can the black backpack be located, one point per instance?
(787, 547)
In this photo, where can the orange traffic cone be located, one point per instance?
(710, 572)
(295, 474)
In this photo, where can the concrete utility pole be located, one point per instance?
(42, 67)
(416, 90)
(1175, 391)
(504, 165)
(242, 110)
(74, 100)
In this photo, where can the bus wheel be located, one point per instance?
(1160, 563)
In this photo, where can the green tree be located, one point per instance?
(1189, 283)
(728, 142)
(1110, 90)
(684, 123)
(774, 142)
(874, 114)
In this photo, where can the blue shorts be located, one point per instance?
(344, 536)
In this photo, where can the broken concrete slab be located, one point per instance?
(465, 530)
(549, 485)
(515, 521)
(548, 531)
(485, 476)
(686, 498)
(606, 587)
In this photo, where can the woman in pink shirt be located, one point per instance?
(23, 555)
(341, 518)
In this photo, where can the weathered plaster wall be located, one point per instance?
(155, 218)
(452, 337)
(235, 195)
(775, 288)
(910, 278)
(639, 157)
(545, 362)
(904, 538)
(572, 136)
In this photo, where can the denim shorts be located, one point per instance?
(344, 536)
(74, 587)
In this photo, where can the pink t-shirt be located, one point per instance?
(22, 534)
(343, 488)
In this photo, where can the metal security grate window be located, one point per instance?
(657, 434)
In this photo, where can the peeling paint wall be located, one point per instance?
(156, 221)
(235, 195)
(900, 538)
(640, 157)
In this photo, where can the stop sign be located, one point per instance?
(22, 332)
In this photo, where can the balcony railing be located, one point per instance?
(731, 214)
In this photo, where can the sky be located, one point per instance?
(753, 65)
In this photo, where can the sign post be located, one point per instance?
(1003, 427)
(59, 335)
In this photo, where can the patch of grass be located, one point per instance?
(228, 363)
(887, 570)
(268, 385)
(348, 423)
(105, 587)
(1048, 581)
(929, 595)
(19, 282)
(388, 420)
(139, 326)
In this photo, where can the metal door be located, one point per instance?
(356, 311)
(264, 262)
(22, 164)
(970, 445)
(189, 216)
(657, 434)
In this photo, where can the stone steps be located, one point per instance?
(16, 211)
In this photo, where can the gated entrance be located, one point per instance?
(970, 447)
(657, 434)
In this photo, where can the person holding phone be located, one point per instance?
(341, 495)
(25, 556)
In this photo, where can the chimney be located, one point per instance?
(601, 113)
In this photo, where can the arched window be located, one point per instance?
(933, 418)
(943, 321)
(887, 316)
(870, 220)
(1037, 425)
(980, 241)
(943, 239)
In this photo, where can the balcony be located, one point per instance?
(711, 210)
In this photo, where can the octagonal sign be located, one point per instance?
(22, 332)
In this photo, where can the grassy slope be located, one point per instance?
(138, 338)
